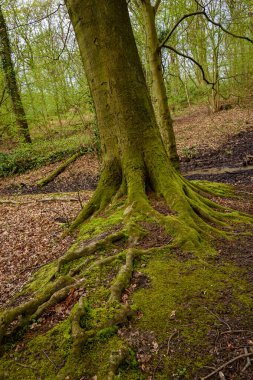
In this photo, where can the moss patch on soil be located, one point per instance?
(189, 297)
(182, 299)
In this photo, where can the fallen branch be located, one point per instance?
(8, 201)
(44, 181)
(226, 364)
(51, 361)
(169, 341)
(249, 361)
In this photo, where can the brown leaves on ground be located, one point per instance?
(80, 175)
(204, 130)
(31, 236)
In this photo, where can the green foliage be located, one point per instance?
(26, 157)
(189, 152)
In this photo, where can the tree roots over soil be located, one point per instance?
(90, 289)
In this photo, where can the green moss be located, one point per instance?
(98, 225)
(185, 295)
(56, 344)
(185, 292)
(106, 333)
(215, 188)
(40, 278)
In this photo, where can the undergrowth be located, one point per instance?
(39, 153)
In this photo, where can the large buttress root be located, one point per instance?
(109, 183)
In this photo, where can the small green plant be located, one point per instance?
(181, 372)
(189, 152)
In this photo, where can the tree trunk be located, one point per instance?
(158, 90)
(11, 82)
(134, 156)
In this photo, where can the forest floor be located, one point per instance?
(215, 147)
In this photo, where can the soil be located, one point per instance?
(232, 154)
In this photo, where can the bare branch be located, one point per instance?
(203, 12)
(37, 20)
(193, 60)
(221, 26)
(157, 4)
(176, 25)
(64, 43)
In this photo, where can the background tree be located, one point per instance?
(156, 80)
(11, 82)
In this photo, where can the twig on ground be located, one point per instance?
(235, 332)
(226, 364)
(167, 352)
(221, 376)
(209, 367)
(26, 366)
(156, 367)
(170, 339)
(79, 199)
(219, 319)
(249, 361)
(51, 361)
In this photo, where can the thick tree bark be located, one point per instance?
(134, 157)
(158, 90)
(11, 82)
(133, 153)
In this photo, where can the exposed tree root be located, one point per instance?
(116, 358)
(90, 248)
(27, 309)
(193, 219)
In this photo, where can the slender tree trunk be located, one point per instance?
(11, 82)
(158, 90)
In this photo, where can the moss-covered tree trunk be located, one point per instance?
(158, 90)
(134, 157)
(135, 160)
(11, 82)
